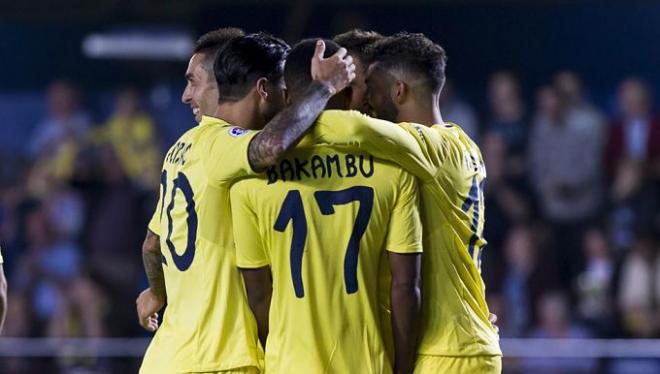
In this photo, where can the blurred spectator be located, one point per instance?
(507, 118)
(555, 322)
(633, 161)
(639, 293)
(596, 283)
(56, 139)
(459, 112)
(51, 273)
(65, 120)
(635, 136)
(527, 277)
(565, 154)
(132, 135)
(569, 88)
(114, 234)
(507, 203)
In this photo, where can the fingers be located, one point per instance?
(492, 318)
(150, 323)
(340, 53)
(320, 49)
(349, 60)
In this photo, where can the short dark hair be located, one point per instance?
(214, 40)
(357, 41)
(211, 42)
(245, 59)
(298, 64)
(412, 53)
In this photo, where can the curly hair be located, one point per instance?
(412, 53)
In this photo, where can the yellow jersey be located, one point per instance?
(323, 219)
(207, 325)
(452, 175)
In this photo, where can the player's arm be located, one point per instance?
(330, 75)
(251, 256)
(406, 299)
(3, 297)
(382, 139)
(152, 260)
(405, 247)
(151, 300)
(259, 287)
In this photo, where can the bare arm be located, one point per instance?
(151, 257)
(3, 297)
(406, 308)
(259, 286)
(330, 75)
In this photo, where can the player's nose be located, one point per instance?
(186, 96)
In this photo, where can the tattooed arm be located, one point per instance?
(330, 75)
(152, 259)
(153, 298)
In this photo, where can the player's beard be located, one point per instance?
(388, 111)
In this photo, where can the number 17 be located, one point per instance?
(294, 211)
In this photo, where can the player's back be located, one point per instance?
(324, 219)
(454, 309)
(207, 325)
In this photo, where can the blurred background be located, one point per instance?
(558, 94)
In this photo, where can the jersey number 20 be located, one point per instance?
(293, 210)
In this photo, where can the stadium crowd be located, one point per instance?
(572, 211)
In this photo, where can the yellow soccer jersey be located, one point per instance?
(323, 219)
(208, 325)
(452, 174)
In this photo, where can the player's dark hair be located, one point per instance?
(243, 60)
(357, 42)
(297, 74)
(411, 53)
(211, 42)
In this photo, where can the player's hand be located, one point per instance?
(148, 306)
(492, 318)
(335, 72)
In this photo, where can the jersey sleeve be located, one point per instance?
(154, 222)
(405, 227)
(379, 138)
(227, 156)
(250, 251)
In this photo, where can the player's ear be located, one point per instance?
(261, 88)
(398, 92)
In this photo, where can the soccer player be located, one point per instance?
(3, 294)
(404, 81)
(319, 224)
(207, 326)
(357, 43)
(201, 93)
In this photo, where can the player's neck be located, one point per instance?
(427, 116)
(237, 113)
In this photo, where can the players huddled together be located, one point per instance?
(320, 218)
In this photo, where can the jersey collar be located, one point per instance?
(208, 120)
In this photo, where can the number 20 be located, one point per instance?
(294, 211)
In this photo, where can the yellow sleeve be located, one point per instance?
(382, 139)
(154, 223)
(227, 157)
(250, 251)
(405, 227)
